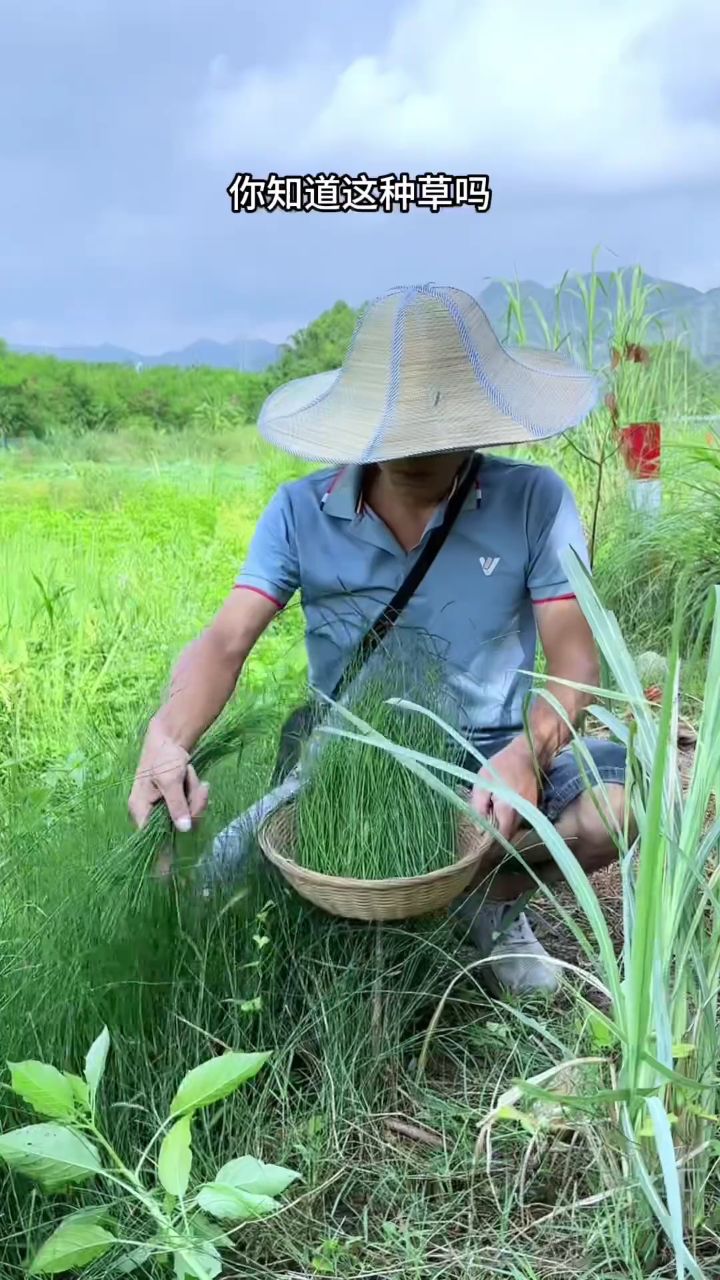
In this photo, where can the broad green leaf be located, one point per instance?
(198, 1262)
(248, 1174)
(215, 1079)
(223, 1201)
(133, 1262)
(94, 1213)
(204, 1229)
(80, 1089)
(52, 1155)
(44, 1088)
(95, 1062)
(75, 1243)
(175, 1159)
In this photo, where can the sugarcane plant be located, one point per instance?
(651, 1097)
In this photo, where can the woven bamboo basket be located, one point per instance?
(397, 899)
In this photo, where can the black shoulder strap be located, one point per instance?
(410, 584)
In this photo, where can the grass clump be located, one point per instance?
(362, 814)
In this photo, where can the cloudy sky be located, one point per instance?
(125, 120)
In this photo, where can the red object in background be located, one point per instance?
(640, 446)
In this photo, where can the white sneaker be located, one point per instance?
(520, 963)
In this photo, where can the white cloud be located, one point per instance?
(574, 97)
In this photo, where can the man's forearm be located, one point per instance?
(549, 731)
(202, 682)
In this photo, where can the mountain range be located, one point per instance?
(677, 310)
(251, 355)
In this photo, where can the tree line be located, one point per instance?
(41, 396)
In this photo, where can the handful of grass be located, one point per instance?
(362, 814)
(238, 726)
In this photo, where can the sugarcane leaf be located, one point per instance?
(662, 1134)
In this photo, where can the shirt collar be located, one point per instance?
(344, 496)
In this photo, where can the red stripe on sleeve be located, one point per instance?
(240, 586)
(552, 599)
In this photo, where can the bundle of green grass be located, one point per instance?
(362, 813)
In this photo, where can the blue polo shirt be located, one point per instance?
(475, 607)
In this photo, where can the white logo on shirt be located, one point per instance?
(489, 565)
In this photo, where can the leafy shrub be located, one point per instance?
(41, 396)
(69, 1149)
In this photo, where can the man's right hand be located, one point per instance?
(203, 680)
(165, 773)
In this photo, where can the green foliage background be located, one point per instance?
(42, 397)
(123, 519)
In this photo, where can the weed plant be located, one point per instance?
(93, 938)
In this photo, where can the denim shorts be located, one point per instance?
(566, 778)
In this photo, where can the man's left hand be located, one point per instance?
(515, 768)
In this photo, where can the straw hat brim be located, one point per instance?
(426, 374)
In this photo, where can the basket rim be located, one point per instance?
(352, 882)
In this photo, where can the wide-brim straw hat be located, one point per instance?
(425, 373)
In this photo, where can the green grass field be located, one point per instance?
(114, 552)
